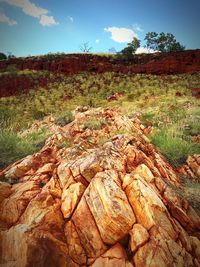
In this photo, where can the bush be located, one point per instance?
(147, 118)
(14, 147)
(175, 149)
(5, 117)
(94, 124)
(37, 114)
(64, 120)
(12, 69)
(193, 128)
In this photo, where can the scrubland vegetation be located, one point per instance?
(165, 102)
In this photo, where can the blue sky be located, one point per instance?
(33, 27)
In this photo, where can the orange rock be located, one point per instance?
(97, 205)
(16, 203)
(87, 230)
(138, 237)
(5, 191)
(144, 201)
(89, 167)
(70, 198)
(114, 257)
(109, 206)
(194, 163)
(76, 251)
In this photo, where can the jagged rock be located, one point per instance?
(14, 205)
(109, 207)
(192, 168)
(112, 204)
(138, 237)
(194, 164)
(114, 257)
(70, 198)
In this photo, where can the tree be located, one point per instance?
(85, 48)
(2, 56)
(162, 42)
(10, 55)
(131, 48)
(112, 50)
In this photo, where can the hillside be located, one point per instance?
(157, 63)
(100, 167)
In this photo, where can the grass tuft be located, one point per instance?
(174, 148)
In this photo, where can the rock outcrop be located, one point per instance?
(13, 84)
(192, 168)
(159, 63)
(108, 199)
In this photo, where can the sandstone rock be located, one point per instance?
(37, 239)
(14, 205)
(89, 167)
(65, 175)
(144, 201)
(97, 205)
(193, 162)
(144, 172)
(139, 236)
(5, 191)
(76, 251)
(47, 168)
(109, 207)
(26, 248)
(70, 198)
(20, 169)
(114, 257)
(195, 246)
(191, 169)
(87, 230)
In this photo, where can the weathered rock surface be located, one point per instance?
(192, 168)
(108, 200)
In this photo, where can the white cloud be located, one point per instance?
(137, 27)
(7, 20)
(121, 35)
(71, 19)
(47, 20)
(97, 41)
(28, 8)
(144, 50)
(33, 10)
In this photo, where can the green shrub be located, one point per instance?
(65, 119)
(5, 117)
(193, 128)
(175, 149)
(37, 139)
(14, 147)
(12, 69)
(131, 96)
(37, 114)
(147, 118)
(94, 124)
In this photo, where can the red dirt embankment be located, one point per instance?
(15, 84)
(158, 63)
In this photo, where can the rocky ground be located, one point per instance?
(97, 195)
